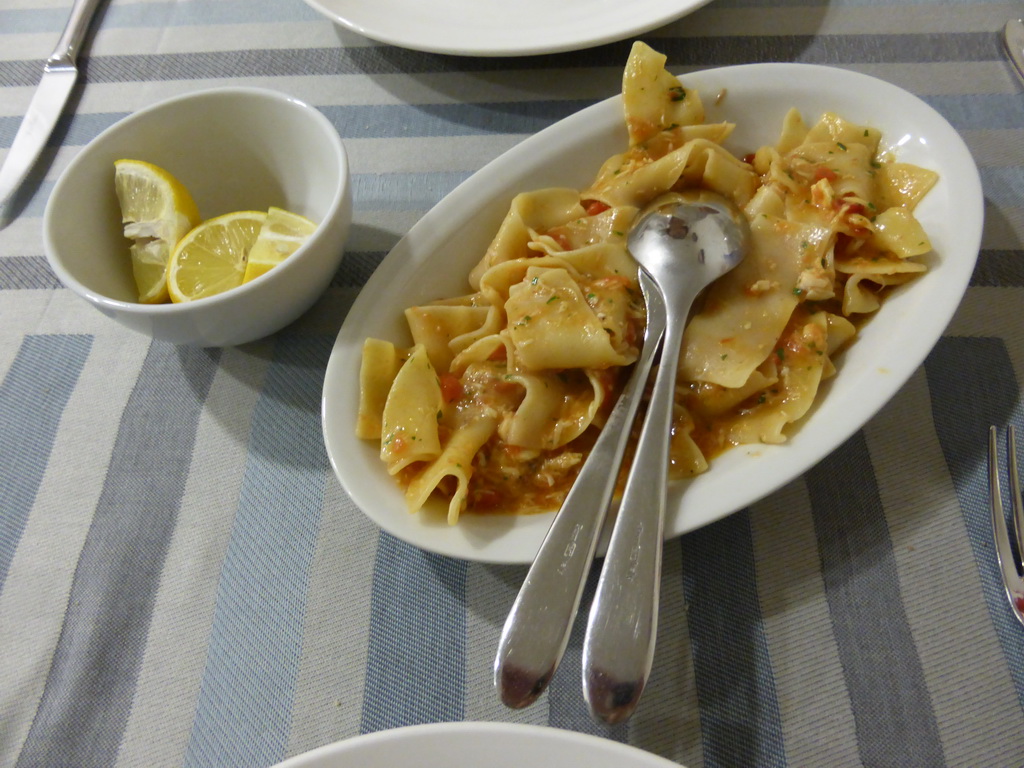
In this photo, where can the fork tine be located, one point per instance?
(1016, 505)
(1012, 581)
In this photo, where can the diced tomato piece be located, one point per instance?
(499, 353)
(594, 207)
(821, 172)
(451, 388)
(562, 239)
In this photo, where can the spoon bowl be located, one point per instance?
(683, 242)
(687, 240)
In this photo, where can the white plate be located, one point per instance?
(494, 28)
(434, 258)
(472, 745)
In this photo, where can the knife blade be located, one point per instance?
(59, 76)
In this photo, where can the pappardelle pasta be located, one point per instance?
(497, 401)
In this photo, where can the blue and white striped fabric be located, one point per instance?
(183, 582)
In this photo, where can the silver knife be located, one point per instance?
(47, 103)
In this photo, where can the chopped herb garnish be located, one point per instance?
(677, 93)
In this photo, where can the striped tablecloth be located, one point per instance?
(183, 581)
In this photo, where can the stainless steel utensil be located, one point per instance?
(684, 243)
(537, 629)
(1010, 563)
(59, 75)
(1013, 42)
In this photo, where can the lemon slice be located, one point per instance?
(211, 258)
(157, 211)
(282, 234)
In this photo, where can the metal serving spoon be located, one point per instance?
(537, 629)
(683, 244)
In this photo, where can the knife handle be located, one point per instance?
(71, 38)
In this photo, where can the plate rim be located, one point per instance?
(460, 731)
(424, 39)
(427, 235)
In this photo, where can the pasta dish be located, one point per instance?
(494, 404)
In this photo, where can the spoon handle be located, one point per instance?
(537, 629)
(619, 644)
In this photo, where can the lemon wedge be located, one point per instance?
(211, 258)
(282, 234)
(156, 211)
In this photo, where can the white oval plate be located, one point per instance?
(471, 745)
(489, 28)
(434, 259)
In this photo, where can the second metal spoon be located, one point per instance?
(683, 244)
(537, 629)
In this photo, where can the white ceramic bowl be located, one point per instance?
(234, 149)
